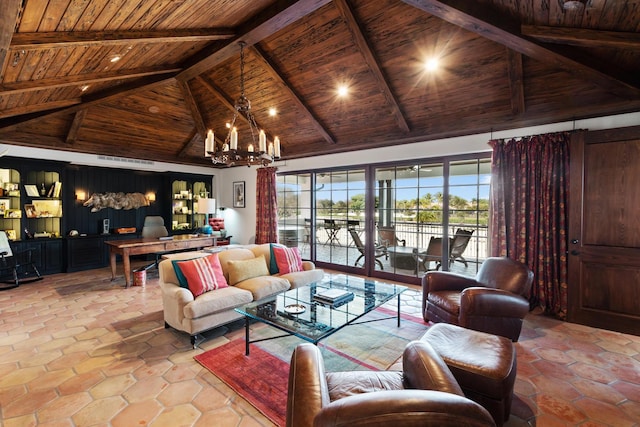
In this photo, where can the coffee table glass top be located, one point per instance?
(296, 312)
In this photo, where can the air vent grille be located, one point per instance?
(125, 160)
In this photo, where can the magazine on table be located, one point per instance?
(333, 296)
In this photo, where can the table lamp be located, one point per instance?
(206, 207)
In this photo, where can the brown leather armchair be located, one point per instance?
(495, 301)
(425, 393)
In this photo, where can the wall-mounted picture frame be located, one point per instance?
(238, 194)
(11, 234)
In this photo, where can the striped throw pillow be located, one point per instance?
(288, 259)
(203, 274)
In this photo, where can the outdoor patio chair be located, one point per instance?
(14, 266)
(387, 238)
(459, 244)
(332, 229)
(433, 253)
(379, 250)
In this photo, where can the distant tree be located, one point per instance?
(356, 204)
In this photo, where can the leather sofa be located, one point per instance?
(424, 393)
(194, 315)
(495, 301)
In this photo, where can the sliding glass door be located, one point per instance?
(409, 212)
(340, 216)
(390, 220)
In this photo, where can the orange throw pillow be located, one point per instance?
(203, 274)
(288, 259)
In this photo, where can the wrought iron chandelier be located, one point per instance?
(258, 152)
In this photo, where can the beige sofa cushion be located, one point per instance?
(264, 286)
(303, 278)
(217, 301)
(240, 270)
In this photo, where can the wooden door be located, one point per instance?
(604, 230)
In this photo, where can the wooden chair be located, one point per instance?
(15, 266)
(433, 253)
(387, 236)
(459, 244)
(379, 250)
(332, 228)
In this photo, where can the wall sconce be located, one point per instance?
(81, 196)
(151, 197)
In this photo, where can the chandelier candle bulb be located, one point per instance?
(209, 144)
(234, 139)
(262, 141)
(250, 148)
(276, 143)
(270, 149)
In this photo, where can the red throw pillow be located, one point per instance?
(288, 259)
(203, 274)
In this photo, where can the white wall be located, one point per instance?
(240, 222)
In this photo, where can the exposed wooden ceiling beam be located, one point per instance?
(516, 81)
(198, 119)
(372, 62)
(194, 138)
(302, 106)
(228, 102)
(60, 39)
(81, 79)
(271, 20)
(131, 88)
(75, 126)
(35, 110)
(582, 37)
(9, 10)
(489, 24)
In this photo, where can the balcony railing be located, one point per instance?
(417, 235)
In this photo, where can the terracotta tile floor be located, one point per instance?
(80, 350)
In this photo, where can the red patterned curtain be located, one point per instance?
(529, 212)
(266, 206)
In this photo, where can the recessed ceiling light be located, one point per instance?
(272, 111)
(431, 64)
(84, 88)
(115, 58)
(574, 5)
(154, 109)
(343, 90)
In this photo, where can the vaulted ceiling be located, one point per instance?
(502, 64)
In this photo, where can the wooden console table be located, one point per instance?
(144, 246)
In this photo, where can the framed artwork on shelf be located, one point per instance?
(13, 213)
(30, 211)
(32, 190)
(4, 206)
(11, 234)
(238, 194)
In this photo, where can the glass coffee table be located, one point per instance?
(298, 312)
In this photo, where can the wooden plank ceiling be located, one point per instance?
(146, 78)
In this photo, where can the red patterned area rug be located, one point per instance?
(262, 377)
